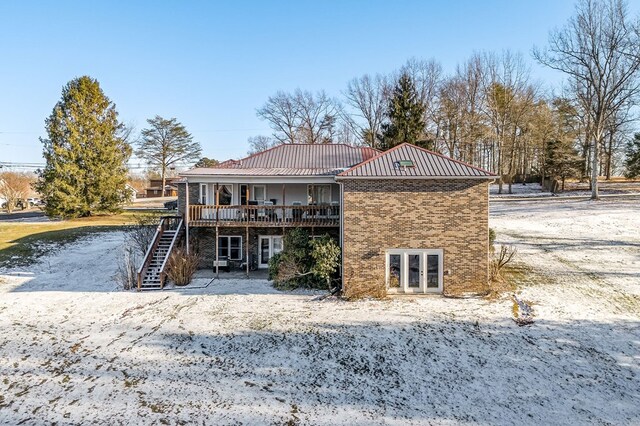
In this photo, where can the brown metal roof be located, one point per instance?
(426, 164)
(259, 171)
(293, 160)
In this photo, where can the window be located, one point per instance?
(414, 270)
(225, 194)
(432, 271)
(394, 271)
(259, 193)
(203, 193)
(231, 247)
(318, 194)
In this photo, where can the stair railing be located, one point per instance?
(163, 274)
(149, 254)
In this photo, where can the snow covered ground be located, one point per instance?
(76, 350)
(572, 189)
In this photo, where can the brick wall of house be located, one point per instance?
(203, 239)
(415, 214)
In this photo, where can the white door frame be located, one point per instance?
(204, 193)
(269, 238)
(404, 266)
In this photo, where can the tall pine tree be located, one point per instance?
(167, 143)
(632, 161)
(405, 113)
(86, 153)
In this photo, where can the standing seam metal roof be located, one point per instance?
(425, 164)
(293, 159)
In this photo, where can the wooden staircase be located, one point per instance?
(151, 274)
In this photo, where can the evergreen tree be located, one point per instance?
(206, 162)
(405, 113)
(86, 153)
(633, 157)
(562, 161)
(166, 143)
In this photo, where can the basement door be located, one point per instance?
(268, 245)
(414, 271)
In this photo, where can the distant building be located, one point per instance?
(155, 188)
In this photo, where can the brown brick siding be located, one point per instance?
(415, 214)
(203, 239)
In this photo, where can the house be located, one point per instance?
(155, 188)
(408, 220)
(131, 194)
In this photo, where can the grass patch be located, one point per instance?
(520, 274)
(21, 243)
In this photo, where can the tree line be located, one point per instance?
(491, 112)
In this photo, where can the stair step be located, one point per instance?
(152, 277)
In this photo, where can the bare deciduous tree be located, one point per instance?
(599, 49)
(281, 111)
(301, 117)
(367, 97)
(259, 143)
(14, 186)
(426, 75)
(317, 115)
(508, 97)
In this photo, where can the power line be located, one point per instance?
(20, 165)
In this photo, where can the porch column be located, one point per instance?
(216, 246)
(284, 210)
(186, 213)
(217, 203)
(246, 250)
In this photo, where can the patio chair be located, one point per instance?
(335, 208)
(296, 212)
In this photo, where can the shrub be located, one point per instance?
(127, 272)
(492, 237)
(305, 263)
(140, 235)
(181, 266)
(274, 264)
(326, 256)
(500, 260)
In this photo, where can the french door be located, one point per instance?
(268, 245)
(414, 271)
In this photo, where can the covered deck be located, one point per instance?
(325, 215)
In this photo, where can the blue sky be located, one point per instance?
(211, 64)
